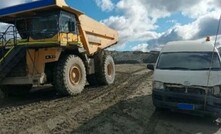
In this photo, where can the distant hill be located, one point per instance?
(134, 57)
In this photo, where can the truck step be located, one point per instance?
(10, 59)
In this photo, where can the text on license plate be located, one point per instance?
(184, 106)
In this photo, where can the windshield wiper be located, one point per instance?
(175, 68)
(207, 68)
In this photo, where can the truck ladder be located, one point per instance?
(10, 52)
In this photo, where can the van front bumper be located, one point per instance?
(191, 102)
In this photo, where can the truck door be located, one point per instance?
(68, 29)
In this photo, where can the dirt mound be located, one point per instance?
(129, 57)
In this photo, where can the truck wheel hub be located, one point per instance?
(75, 75)
(109, 69)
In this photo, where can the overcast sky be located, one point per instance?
(150, 24)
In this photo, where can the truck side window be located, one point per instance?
(67, 24)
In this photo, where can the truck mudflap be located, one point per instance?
(187, 102)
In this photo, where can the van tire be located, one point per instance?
(15, 90)
(2, 94)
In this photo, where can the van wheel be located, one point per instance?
(2, 94)
(160, 109)
(70, 75)
(15, 90)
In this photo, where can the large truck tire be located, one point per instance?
(70, 75)
(15, 90)
(107, 74)
(104, 72)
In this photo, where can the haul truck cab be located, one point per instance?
(49, 42)
(187, 76)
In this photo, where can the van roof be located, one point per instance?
(188, 46)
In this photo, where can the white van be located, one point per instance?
(187, 76)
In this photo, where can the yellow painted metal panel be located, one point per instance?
(96, 35)
(36, 59)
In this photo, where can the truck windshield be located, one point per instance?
(189, 61)
(44, 27)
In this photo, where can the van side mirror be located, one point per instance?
(150, 66)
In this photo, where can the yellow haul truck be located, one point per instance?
(49, 42)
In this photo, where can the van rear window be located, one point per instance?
(189, 61)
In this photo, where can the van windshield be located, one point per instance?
(189, 61)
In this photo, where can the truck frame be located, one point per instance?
(47, 41)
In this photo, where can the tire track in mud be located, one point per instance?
(9, 114)
(130, 115)
(32, 116)
(89, 95)
(108, 100)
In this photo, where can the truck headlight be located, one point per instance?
(216, 91)
(158, 85)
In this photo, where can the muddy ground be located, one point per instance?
(122, 108)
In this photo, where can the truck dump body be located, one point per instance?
(96, 35)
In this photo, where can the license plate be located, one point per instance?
(184, 106)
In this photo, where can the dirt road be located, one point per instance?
(122, 108)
